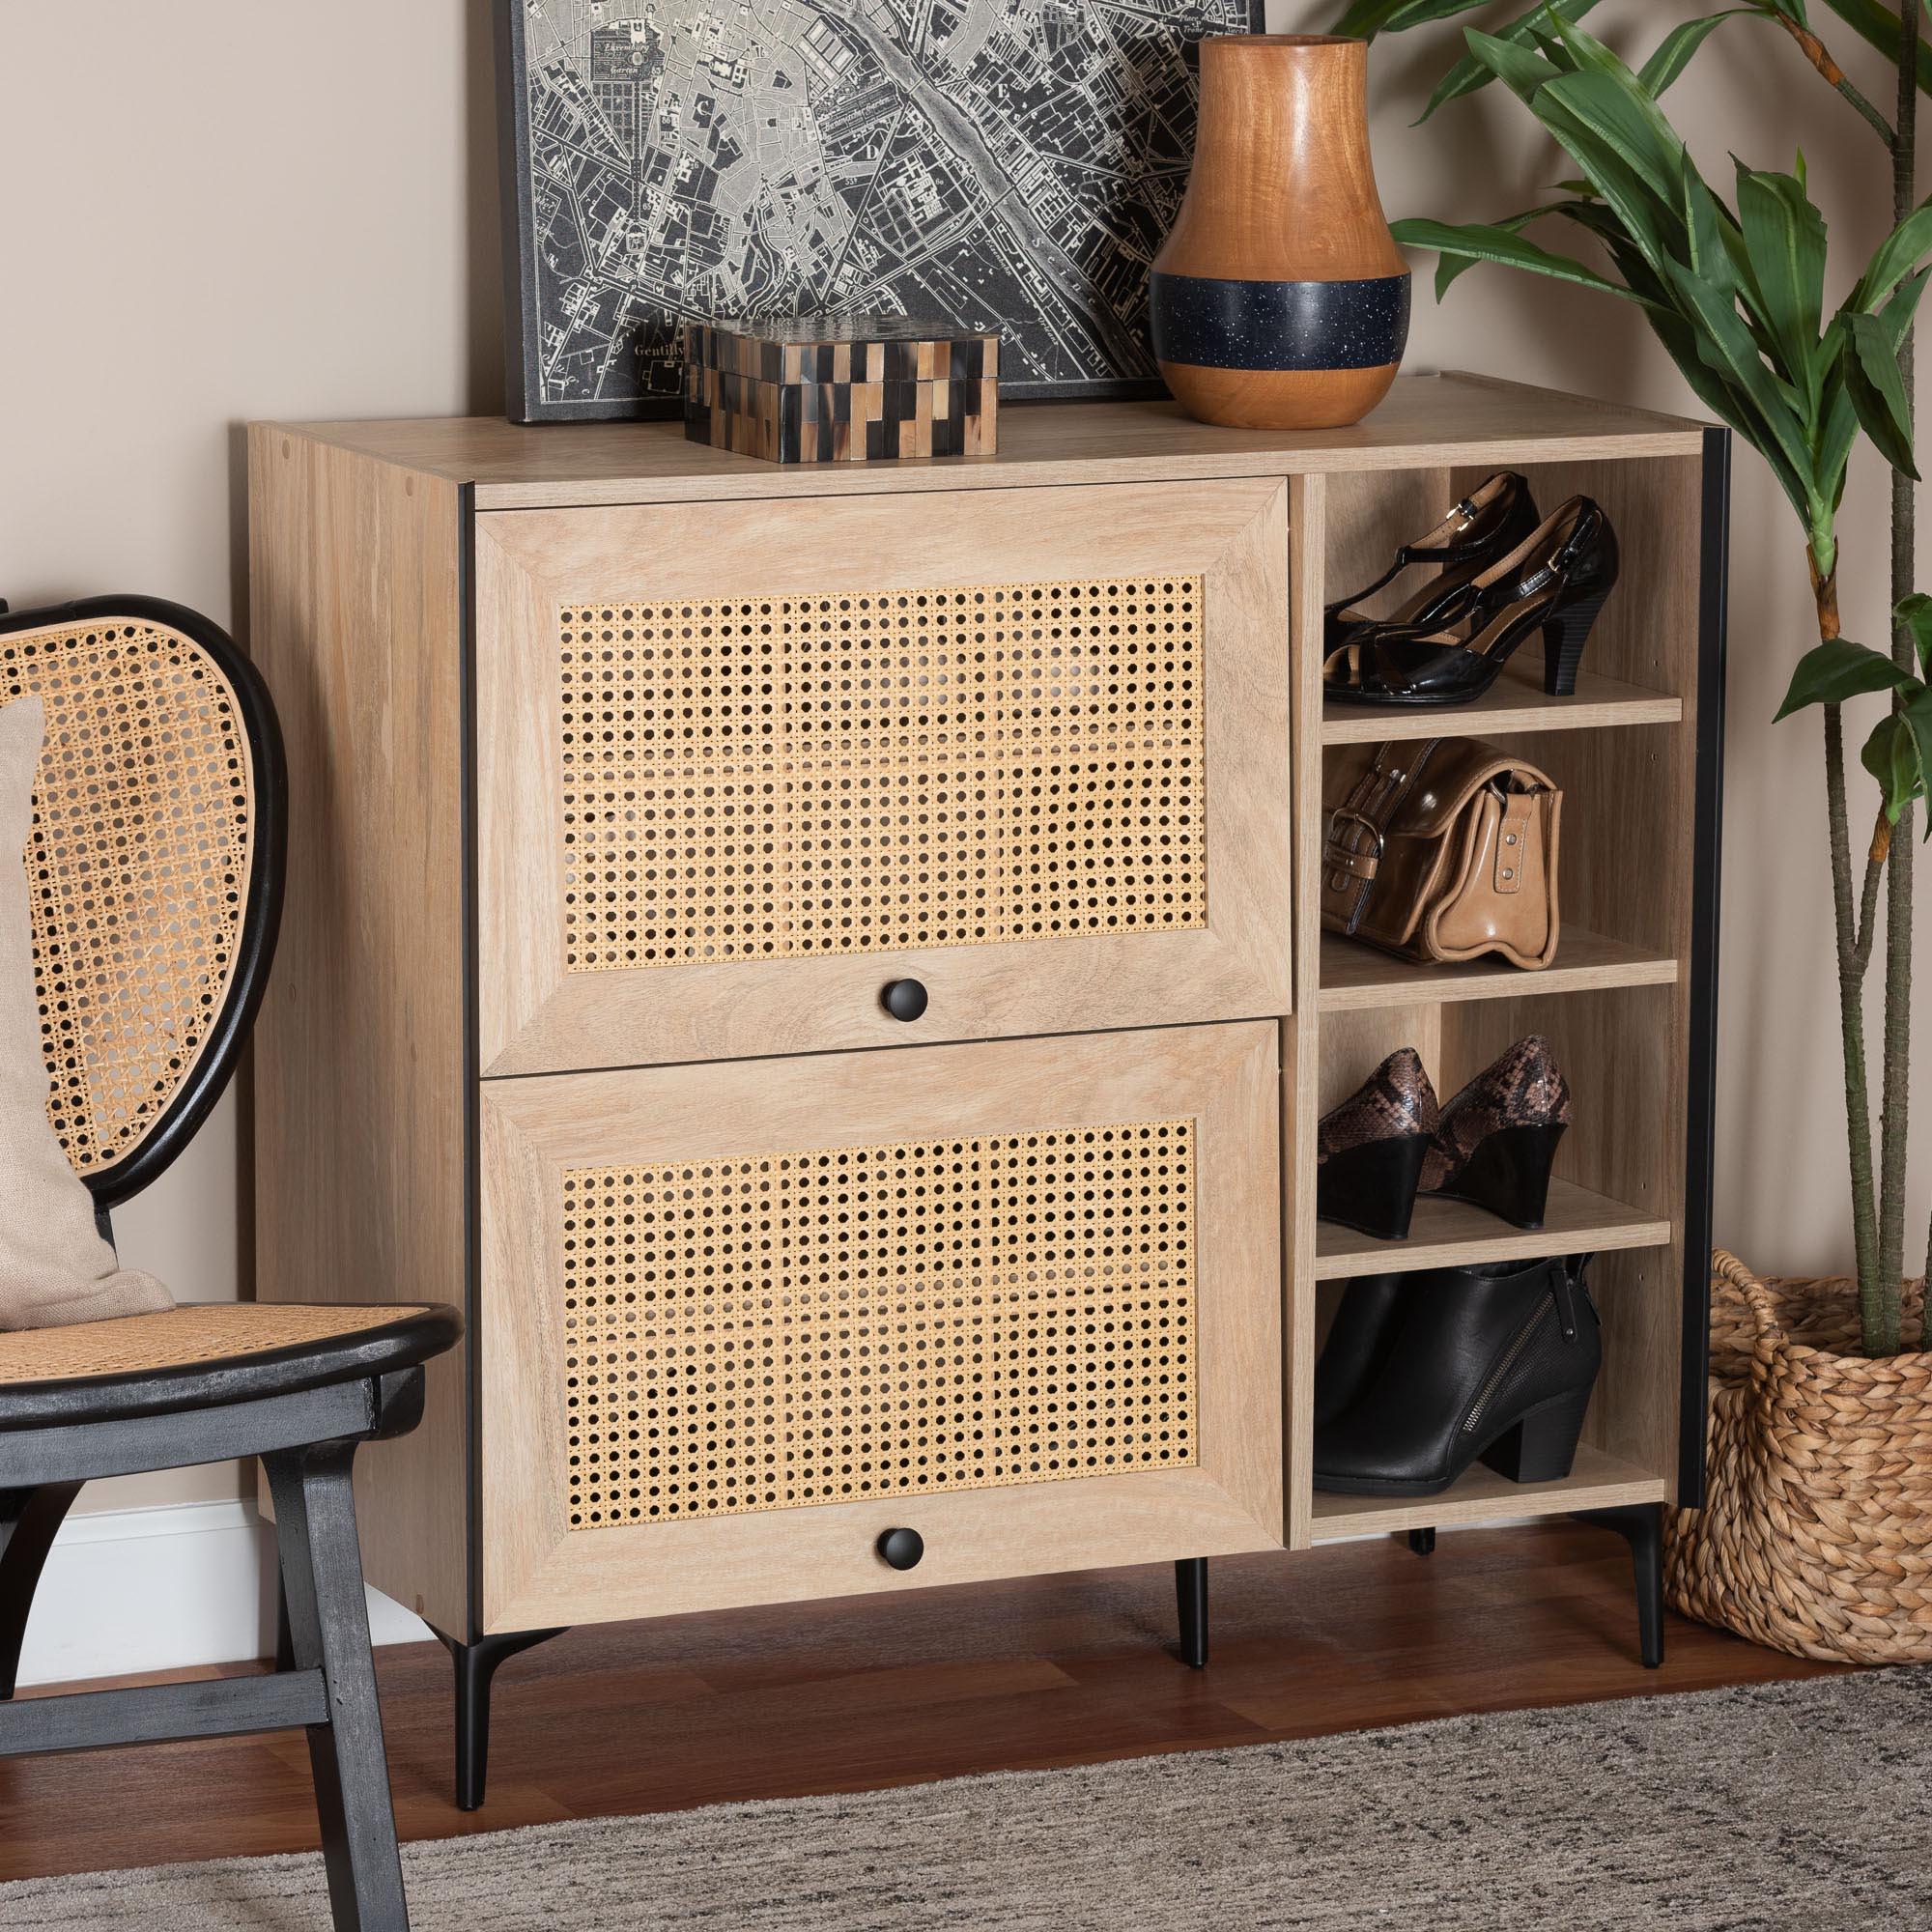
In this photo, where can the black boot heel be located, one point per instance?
(1563, 639)
(1371, 1189)
(1543, 1445)
(1509, 1175)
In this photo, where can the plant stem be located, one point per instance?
(1851, 998)
(1851, 1028)
(1893, 1120)
(1868, 898)
(1814, 51)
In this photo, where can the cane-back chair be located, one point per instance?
(155, 876)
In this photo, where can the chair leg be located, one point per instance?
(329, 1627)
(475, 1671)
(1191, 1595)
(1421, 1542)
(1641, 1526)
(285, 1642)
(29, 1521)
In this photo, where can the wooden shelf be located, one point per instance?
(1515, 702)
(1450, 1234)
(1596, 1482)
(1356, 978)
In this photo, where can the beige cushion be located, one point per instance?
(54, 1267)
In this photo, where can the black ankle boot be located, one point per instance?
(1358, 1342)
(1494, 1362)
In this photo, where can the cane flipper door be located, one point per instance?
(741, 1319)
(736, 772)
(153, 900)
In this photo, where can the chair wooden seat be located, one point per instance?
(196, 1356)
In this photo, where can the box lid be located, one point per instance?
(841, 348)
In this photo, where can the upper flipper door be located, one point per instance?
(741, 767)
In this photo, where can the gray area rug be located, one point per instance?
(1785, 1805)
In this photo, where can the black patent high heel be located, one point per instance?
(1564, 636)
(1555, 582)
(1491, 519)
(1497, 1139)
(1370, 1151)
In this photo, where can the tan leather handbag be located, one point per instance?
(1441, 849)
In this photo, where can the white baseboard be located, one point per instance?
(165, 1588)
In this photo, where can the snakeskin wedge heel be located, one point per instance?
(1370, 1151)
(1495, 1141)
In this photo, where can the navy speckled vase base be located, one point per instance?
(1214, 323)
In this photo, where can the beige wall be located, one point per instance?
(220, 210)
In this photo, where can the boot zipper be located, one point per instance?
(1500, 1372)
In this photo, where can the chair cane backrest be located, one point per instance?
(154, 870)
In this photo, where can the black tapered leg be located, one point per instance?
(475, 1668)
(1191, 1595)
(1421, 1542)
(1641, 1526)
(329, 1628)
(29, 1521)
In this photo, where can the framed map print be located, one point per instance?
(1005, 166)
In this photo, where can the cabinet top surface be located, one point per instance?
(1426, 420)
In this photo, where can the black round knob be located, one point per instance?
(901, 1548)
(904, 1000)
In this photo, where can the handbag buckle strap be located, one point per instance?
(1350, 859)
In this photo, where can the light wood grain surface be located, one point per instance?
(538, 1570)
(358, 1049)
(1427, 421)
(1354, 976)
(1231, 961)
(1515, 702)
(1596, 1482)
(358, 545)
(1452, 1233)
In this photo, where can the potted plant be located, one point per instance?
(1816, 1536)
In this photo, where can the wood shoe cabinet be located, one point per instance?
(824, 969)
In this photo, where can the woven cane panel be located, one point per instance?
(175, 1337)
(817, 1327)
(137, 868)
(785, 777)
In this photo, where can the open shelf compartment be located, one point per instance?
(1616, 1006)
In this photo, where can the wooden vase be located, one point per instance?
(1280, 301)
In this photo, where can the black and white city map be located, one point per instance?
(1006, 165)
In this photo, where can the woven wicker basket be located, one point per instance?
(1816, 1534)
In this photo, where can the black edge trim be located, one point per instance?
(357, 1355)
(473, 1070)
(268, 875)
(1714, 555)
(522, 330)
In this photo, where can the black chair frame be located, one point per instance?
(303, 1410)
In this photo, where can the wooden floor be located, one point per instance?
(872, 1692)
